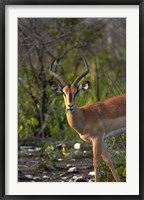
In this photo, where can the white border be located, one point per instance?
(131, 187)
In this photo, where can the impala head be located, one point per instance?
(69, 91)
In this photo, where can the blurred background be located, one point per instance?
(43, 131)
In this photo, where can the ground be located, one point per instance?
(59, 162)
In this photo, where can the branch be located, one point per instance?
(34, 98)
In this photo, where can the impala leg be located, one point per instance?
(97, 149)
(107, 159)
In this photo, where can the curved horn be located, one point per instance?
(55, 74)
(83, 74)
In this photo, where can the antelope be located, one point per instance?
(95, 121)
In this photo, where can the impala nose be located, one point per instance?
(70, 107)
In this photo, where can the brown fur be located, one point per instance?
(99, 117)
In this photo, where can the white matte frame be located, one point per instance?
(131, 186)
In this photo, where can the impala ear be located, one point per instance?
(84, 86)
(56, 87)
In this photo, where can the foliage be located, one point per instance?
(101, 41)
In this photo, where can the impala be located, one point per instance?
(94, 121)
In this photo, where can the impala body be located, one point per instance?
(93, 121)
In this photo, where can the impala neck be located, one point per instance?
(75, 118)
